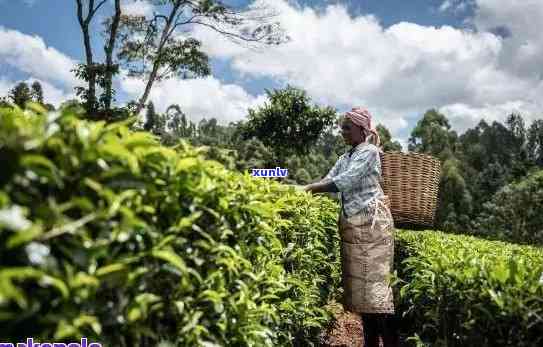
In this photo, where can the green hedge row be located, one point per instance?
(464, 291)
(106, 234)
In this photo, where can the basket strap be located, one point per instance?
(343, 205)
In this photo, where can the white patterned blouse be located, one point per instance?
(356, 174)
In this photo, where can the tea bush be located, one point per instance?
(464, 291)
(108, 235)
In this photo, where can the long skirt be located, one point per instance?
(367, 256)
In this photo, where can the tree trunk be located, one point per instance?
(148, 86)
(156, 64)
(84, 23)
(109, 48)
(91, 97)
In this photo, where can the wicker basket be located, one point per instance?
(411, 182)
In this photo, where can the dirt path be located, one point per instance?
(344, 331)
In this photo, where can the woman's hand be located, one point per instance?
(324, 186)
(299, 187)
(318, 187)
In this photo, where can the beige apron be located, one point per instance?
(367, 257)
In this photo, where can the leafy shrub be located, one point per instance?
(464, 291)
(515, 212)
(106, 234)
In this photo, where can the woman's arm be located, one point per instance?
(323, 186)
(361, 164)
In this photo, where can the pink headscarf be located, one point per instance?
(362, 117)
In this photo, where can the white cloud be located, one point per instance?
(30, 2)
(522, 53)
(404, 69)
(466, 116)
(516, 84)
(31, 55)
(5, 86)
(456, 6)
(447, 4)
(52, 94)
(137, 8)
(198, 98)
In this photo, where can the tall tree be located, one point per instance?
(177, 125)
(207, 127)
(97, 74)
(88, 71)
(151, 118)
(498, 161)
(493, 155)
(455, 200)
(4, 101)
(517, 127)
(20, 94)
(386, 140)
(331, 144)
(112, 28)
(289, 124)
(253, 153)
(157, 48)
(37, 92)
(433, 135)
(513, 214)
(210, 133)
(472, 150)
(535, 142)
(518, 145)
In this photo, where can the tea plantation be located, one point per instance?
(106, 234)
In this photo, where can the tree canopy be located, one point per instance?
(288, 123)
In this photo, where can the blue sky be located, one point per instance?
(397, 58)
(56, 22)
